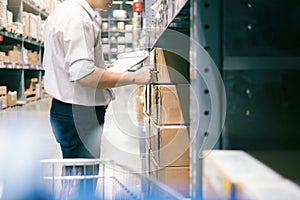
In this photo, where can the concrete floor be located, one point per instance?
(26, 138)
(29, 125)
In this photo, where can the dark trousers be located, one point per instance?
(78, 129)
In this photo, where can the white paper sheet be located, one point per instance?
(128, 60)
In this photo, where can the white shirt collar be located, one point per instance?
(87, 7)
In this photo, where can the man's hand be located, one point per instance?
(143, 76)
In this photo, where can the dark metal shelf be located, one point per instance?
(20, 37)
(10, 65)
(115, 20)
(11, 35)
(117, 31)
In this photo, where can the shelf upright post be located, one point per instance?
(21, 91)
(207, 87)
(40, 62)
(109, 35)
(149, 17)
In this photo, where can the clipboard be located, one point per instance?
(127, 61)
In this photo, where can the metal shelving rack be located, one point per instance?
(14, 75)
(205, 58)
(207, 101)
(157, 21)
(110, 55)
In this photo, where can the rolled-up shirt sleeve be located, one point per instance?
(78, 42)
(81, 68)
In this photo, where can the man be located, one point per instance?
(77, 79)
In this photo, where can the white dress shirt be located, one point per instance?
(73, 49)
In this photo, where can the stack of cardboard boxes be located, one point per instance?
(167, 121)
(8, 99)
(3, 57)
(32, 57)
(14, 55)
(3, 91)
(32, 25)
(6, 16)
(140, 103)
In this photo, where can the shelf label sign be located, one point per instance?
(137, 7)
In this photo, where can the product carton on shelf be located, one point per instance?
(177, 178)
(171, 67)
(169, 104)
(25, 16)
(2, 56)
(4, 101)
(15, 55)
(275, 190)
(3, 90)
(140, 102)
(3, 15)
(32, 25)
(226, 170)
(32, 57)
(147, 122)
(170, 145)
(18, 27)
(11, 99)
(9, 17)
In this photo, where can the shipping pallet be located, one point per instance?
(32, 99)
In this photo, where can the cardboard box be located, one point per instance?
(147, 130)
(32, 57)
(3, 14)
(4, 101)
(177, 178)
(12, 99)
(3, 90)
(2, 56)
(9, 15)
(170, 145)
(25, 17)
(226, 170)
(172, 67)
(275, 190)
(33, 25)
(14, 55)
(169, 104)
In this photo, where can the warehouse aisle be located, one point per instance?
(28, 128)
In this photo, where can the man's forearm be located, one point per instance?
(101, 78)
